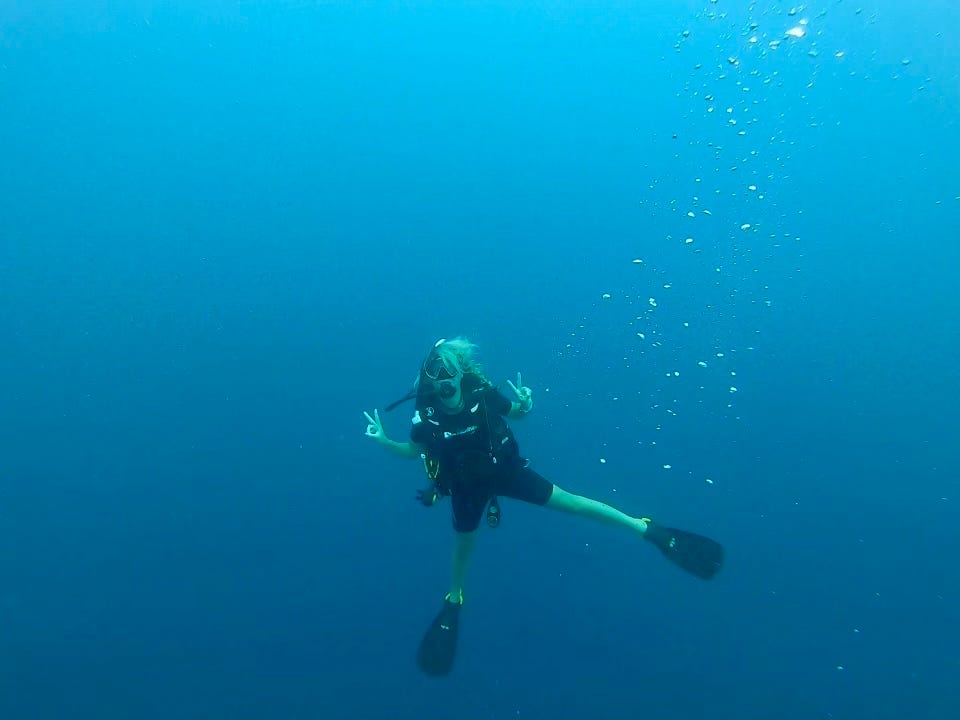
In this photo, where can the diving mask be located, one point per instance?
(439, 368)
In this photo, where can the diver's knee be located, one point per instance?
(560, 499)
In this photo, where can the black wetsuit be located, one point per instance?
(477, 455)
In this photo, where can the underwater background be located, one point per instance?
(720, 239)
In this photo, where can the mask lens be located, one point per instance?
(445, 373)
(437, 369)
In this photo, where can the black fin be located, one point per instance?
(439, 646)
(696, 554)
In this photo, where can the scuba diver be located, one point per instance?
(470, 454)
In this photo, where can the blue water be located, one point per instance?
(226, 232)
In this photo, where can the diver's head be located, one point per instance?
(443, 372)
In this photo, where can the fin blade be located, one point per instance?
(438, 649)
(698, 555)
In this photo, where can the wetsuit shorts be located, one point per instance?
(520, 483)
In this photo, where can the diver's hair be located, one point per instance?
(463, 354)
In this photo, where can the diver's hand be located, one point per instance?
(429, 496)
(375, 428)
(523, 393)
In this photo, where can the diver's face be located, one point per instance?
(446, 377)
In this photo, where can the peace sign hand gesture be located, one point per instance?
(524, 395)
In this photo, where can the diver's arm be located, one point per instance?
(403, 449)
(375, 430)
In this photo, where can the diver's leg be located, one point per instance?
(462, 552)
(566, 502)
